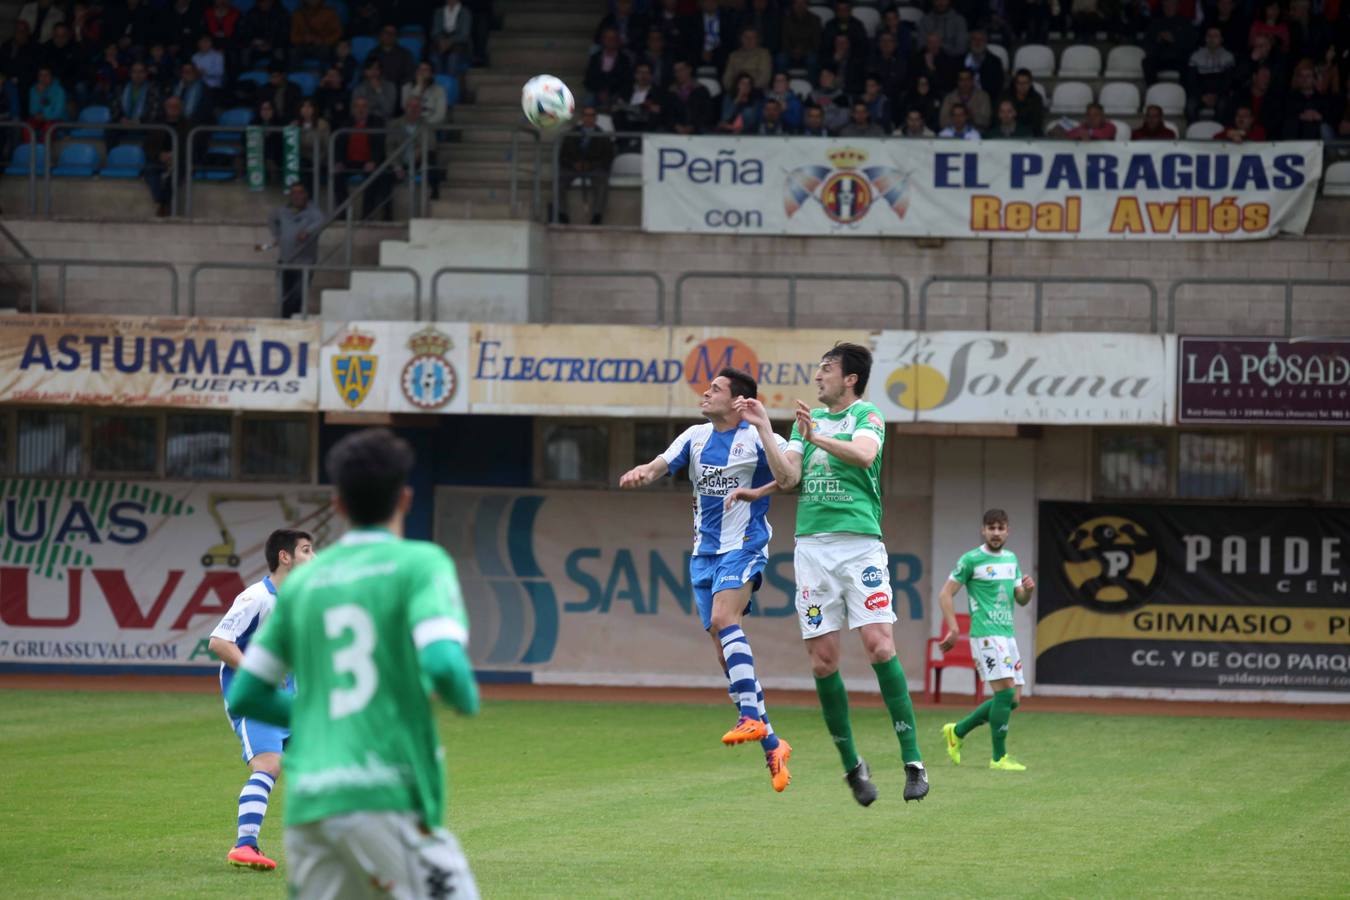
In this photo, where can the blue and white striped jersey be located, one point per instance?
(249, 610)
(719, 462)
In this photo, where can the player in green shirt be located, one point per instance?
(841, 565)
(992, 579)
(368, 628)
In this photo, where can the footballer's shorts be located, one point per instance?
(259, 737)
(996, 658)
(724, 572)
(843, 580)
(376, 855)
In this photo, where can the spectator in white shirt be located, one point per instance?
(960, 127)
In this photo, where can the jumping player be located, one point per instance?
(723, 455)
(368, 628)
(285, 550)
(842, 568)
(992, 579)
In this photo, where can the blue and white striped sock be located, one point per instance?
(252, 807)
(740, 669)
(770, 740)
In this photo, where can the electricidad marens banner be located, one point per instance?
(1179, 190)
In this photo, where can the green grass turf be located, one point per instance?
(133, 795)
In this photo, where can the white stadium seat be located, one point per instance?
(1171, 97)
(1040, 89)
(1203, 131)
(1080, 61)
(1037, 58)
(1122, 130)
(626, 170)
(1071, 97)
(869, 18)
(801, 87)
(604, 121)
(1336, 181)
(713, 86)
(1119, 98)
(911, 14)
(1125, 62)
(1002, 54)
(824, 13)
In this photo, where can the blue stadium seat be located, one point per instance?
(124, 161)
(18, 163)
(92, 115)
(258, 78)
(413, 43)
(238, 117)
(76, 161)
(361, 47)
(450, 84)
(307, 82)
(243, 6)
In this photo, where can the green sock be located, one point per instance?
(975, 719)
(999, 715)
(895, 692)
(1015, 704)
(834, 706)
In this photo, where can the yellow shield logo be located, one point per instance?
(354, 369)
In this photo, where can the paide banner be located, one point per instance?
(1184, 190)
(116, 573)
(1229, 598)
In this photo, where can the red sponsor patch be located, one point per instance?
(874, 419)
(878, 600)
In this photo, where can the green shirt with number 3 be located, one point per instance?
(349, 625)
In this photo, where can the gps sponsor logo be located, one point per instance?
(872, 576)
(877, 601)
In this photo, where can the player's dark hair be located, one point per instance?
(370, 469)
(283, 540)
(742, 385)
(995, 517)
(854, 359)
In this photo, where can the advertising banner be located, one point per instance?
(959, 189)
(117, 573)
(405, 367)
(634, 371)
(1050, 379)
(1271, 381)
(593, 587)
(248, 364)
(1228, 598)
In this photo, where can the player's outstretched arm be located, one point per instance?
(253, 697)
(451, 672)
(227, 652)
(749, 495)
(947, 601)
(645, 474)
(785, 466)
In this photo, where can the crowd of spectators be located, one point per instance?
(182, 63)
(1260, 70)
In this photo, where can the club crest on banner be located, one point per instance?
(846, 189)
(429, 380)
(354, 368)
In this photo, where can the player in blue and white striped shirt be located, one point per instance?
(731, 538)
(262, 743)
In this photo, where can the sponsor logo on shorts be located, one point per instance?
(1018, 667)
(1007, 660)
(989, 663)
(878, 600)
(730, 578)
(814, 616)
(871, 577)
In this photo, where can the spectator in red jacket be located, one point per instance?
(1096, 127)
(1244, 128)
(1154, 128)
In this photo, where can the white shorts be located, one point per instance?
(842, 579)
(996, 658)
(375, 854)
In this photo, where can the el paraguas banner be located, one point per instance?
(1181, 190)
(1233, 598)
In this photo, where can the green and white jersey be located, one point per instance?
(350, 625)
(837, 497)
(989, 580)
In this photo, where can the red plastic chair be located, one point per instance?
(958, 657)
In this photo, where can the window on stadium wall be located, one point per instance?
(1218, 465)
(148, 444)
(574, 453)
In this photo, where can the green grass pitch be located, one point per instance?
(133, 795)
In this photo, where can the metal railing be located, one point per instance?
(32, 145)
(393, 159)
(517, 132)
(305, 270)
(548, 275)
(1038, 282)
(63, 264)
(49, 163)
(242, 131)
(1287, 283)
(791, 278)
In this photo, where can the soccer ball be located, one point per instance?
(547, 102)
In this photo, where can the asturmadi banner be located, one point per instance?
(402, 367)
(958, 189)
(1216, 597)
(1023, 378)
(116, 573)
(623, 370)
(592, 587)
(249, 364)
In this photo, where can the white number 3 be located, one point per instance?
(354, 659)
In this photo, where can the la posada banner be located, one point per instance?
(1222, 598)
(123, 575)
(1055, 190)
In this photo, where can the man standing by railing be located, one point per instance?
(292, 226)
